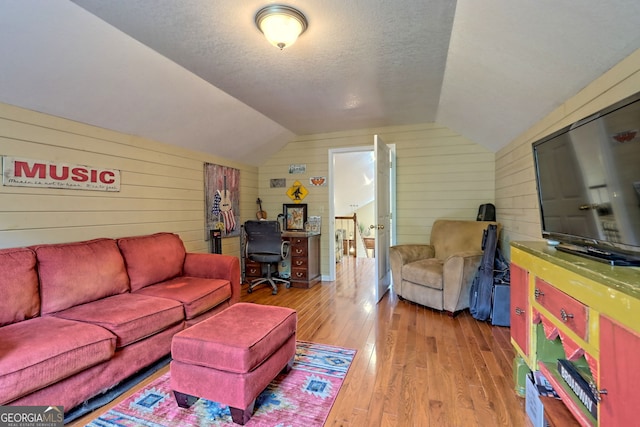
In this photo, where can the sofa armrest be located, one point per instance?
(457, 275)
(215, 266)
(400, 255)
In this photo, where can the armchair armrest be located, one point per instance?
(411, 252)
(458, 272)
(215, 266)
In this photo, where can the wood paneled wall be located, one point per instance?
(516, 199)
(440, 174)
(162, 186)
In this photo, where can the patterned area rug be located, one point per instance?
(303, 397)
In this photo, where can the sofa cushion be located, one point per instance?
(197, 295)
(18, 285)
(152, 259)
(79, 272)
(130, 317)
(426, 272)
(41, 351)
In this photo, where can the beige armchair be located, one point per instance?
(439, 275)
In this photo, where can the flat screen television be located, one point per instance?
(588, 183)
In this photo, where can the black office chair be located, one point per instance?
(264, 244)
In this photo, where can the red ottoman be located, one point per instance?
(231, 357)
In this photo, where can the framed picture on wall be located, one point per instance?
(295, 216)
(222, 200)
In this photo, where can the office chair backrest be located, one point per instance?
(263, 237)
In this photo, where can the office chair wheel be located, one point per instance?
(288, 285)
(274, 292)
(249, 290)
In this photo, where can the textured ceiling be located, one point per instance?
(199, 74)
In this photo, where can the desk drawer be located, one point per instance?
(252, 269)
(299, 273)
(298, 262)
(298, 241)
(564, 308)
(299, 250)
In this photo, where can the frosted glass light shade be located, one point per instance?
(281, 25)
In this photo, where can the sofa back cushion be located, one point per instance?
(454, 236)
(19, 297)
(153, 258)
(79, 272)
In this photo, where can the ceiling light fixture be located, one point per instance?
(281, 25)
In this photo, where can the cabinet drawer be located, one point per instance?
(564, 308)
(298, 241)
(253, 272)
(299, 273)
(299, 262)
(252, 269)
(299, 250)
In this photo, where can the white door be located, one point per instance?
(382, 214)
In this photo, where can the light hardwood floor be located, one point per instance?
(414, 366)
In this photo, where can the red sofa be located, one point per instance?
(78, 318)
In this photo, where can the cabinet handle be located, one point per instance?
(597, 393)
(299, 274)
(538, 293)
(519, 311)
(299, 262)
(299, 251)
(565, 316)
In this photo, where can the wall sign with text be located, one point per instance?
(20, 172)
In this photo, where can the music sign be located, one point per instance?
(20, 172)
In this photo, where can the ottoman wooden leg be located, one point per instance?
(241, 416)
(184, 400)
(289, 365)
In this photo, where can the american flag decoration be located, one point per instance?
(215, 207)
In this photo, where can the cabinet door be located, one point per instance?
(619, 374)
(520, 308)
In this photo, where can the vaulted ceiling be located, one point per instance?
(199, 74)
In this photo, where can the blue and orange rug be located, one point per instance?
(303, 397)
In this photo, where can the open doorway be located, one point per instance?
(352, 215)
(353, 199)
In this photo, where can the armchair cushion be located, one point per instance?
(427, 271)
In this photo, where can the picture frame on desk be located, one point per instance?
(295, 216)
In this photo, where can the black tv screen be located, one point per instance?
(588, 182)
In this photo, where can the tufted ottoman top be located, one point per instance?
(237, 339)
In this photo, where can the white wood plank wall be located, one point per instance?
(516, 199)
(440, 174)
(162, 186)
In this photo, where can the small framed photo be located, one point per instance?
(295, 216)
